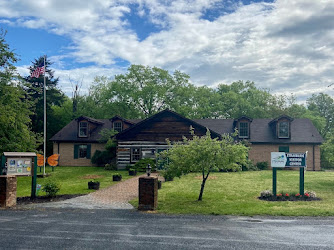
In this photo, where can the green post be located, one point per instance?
(3, 162)
(274, 181)
(34, 179)
(301, 181)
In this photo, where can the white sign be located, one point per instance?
(282, 159)
(278, 159)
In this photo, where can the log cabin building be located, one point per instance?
(138, 139)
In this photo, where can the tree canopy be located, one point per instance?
(204, 154)
(15, 132)
(143, 91)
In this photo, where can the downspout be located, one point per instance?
(58, 147)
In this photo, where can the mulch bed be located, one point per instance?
(290, 198)
(42, 199)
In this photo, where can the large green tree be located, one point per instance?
(323, 105)
(321, 108)
(148, 90)
(327, 155)
(204, 154)
(244, 98)
(15, 123)
(139, 93)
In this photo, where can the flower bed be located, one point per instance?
(284, 196)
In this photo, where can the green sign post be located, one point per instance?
(34, 178)
(283, 160)
(275, 181)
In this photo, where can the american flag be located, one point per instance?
(39, 70)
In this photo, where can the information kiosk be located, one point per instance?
(15, 164)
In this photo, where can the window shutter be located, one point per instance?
(76, 151)
(88, 151)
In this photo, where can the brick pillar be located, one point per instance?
(148, 193)
(8, 186)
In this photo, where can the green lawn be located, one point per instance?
(73, 180)
(236, 194)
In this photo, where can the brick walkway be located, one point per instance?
(113, 197)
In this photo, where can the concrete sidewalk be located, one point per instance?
(114, 197)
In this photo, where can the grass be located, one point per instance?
(73, 180)
(236, 194)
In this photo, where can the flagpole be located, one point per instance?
(44, 118)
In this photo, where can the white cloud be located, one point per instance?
(84, 77)
(285, 45)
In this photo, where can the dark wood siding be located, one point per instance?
(148, 150)
(162, 126)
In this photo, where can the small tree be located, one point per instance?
(204, 154)
(101, 158)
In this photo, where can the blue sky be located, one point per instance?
(283, 45)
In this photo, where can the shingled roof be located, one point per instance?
(70, 132)
(302, 130)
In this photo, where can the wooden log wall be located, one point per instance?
(148, 150)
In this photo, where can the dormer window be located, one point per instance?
(83, 129)
(118, 126)
(243, 125)
(283, 129)
(243, 129)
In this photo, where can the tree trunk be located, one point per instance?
(203, 184)
(202, 190)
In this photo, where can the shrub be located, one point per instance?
(110, 166)
(249, 166)
(235, 167)
(127, 168)
(168, 175)
(141, 165)
(51, 188)
(100, 158)
(262, 165)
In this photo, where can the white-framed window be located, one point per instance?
(83, 151)
(283, 129)
(135, 154)
(118, 126)
(243, 130)
(83, 129)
